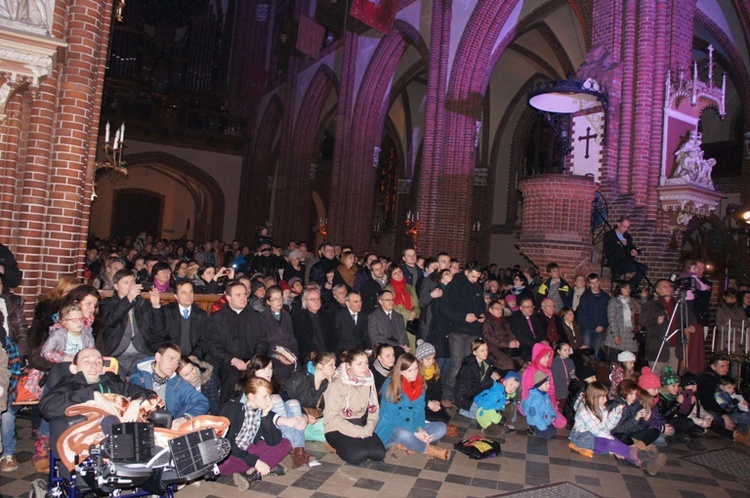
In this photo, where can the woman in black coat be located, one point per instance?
(475, 376)
(277, 325)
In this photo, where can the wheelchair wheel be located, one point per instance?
(38, 488)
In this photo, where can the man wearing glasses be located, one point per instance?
(526, 326)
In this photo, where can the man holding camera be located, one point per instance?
(655, 316)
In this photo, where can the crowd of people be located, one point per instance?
(368, 354)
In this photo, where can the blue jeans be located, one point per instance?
(408, 439)
(288, 409)
(8, 430)
(471, 412)
(592, 339)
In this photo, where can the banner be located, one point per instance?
(310, 38)
(378, 14)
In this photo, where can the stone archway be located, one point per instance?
(205, 191)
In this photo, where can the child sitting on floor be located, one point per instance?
(622, 370)
(68, 336)
(670, 406)
(540, 413)
(724, 397)
(563, 374)
(496, 403)
(691, 406)
(592, 432)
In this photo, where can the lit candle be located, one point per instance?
(713, 340)
(122, 133)
(117, 139)
(106, 133)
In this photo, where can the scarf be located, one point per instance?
(627, 316)
(353, 382)
(412, 390)
(250, 426)
(158, 380)
(402, 294)
(348, 274)
(494, 318)
(161, 287)
(429, 372)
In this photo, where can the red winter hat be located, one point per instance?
(284, 286)
(648, 379)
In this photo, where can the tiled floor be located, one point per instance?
(526, 462)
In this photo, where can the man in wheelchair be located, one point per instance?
(110, 435)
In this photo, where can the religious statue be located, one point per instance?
(27, 13)
(690, 166)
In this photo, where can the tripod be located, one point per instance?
(681, 308)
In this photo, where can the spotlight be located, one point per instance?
(738, 212)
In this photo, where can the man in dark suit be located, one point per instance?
(526, 327)
(184, 323)
(312, 326)
(351, 325)
(385, 326)
(550, 322)
(373, 287)
(237, 337)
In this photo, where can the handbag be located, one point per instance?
(478, 447)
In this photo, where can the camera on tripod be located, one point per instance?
(682, 284)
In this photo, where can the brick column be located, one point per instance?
(435, 127)
(556, 222)
(60, 152)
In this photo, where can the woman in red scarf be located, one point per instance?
(406, 302)
(402, 425)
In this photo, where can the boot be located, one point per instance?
(399, 451)
(742, 437)
(245, 482)
(451, 430)
(278, 471)
(654, 465)
(435, 452)
(41, 454)
(299, 459)
(582, 451)
(494, 431)
(651, 450)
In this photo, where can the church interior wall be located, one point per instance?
(417, 94)
(224, 168)
(503, 251)
(178, 209)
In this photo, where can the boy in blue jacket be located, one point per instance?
(540, 413)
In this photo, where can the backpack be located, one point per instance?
(478, 447)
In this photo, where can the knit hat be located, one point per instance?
(293, 281)
(540, 378)
(284, 285)
(669, 376)
(254, 286)
(424, 350)
(510, 298)
(625, 356)
(648, 379)
(585, 372)
(512, 374)
(295, 254)
(689, 379)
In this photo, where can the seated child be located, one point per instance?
(724, 397)
(592, 432)
(476, 375)
(670, 406)
(633, 423)
(650, 384)
(585, 376)
(691, 406)
(623, 369)
(430, 372)
(68, 336)
(257, 444)
(540, 413)
(497, 403)
(563, 373)
(541, 360)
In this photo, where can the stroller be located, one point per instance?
(134, 459)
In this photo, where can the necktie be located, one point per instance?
(531, 326)
(186, 313)
(389, 316)
(354, 317)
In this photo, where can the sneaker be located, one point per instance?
(494, 431)
(8, 463)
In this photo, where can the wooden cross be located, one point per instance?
(588, 136)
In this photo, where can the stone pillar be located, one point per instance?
(556, 223)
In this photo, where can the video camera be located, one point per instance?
(683, 284)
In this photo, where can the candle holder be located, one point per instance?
(321, 228)
(112, 155)
(412, 226)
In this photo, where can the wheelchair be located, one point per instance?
(128, 463)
